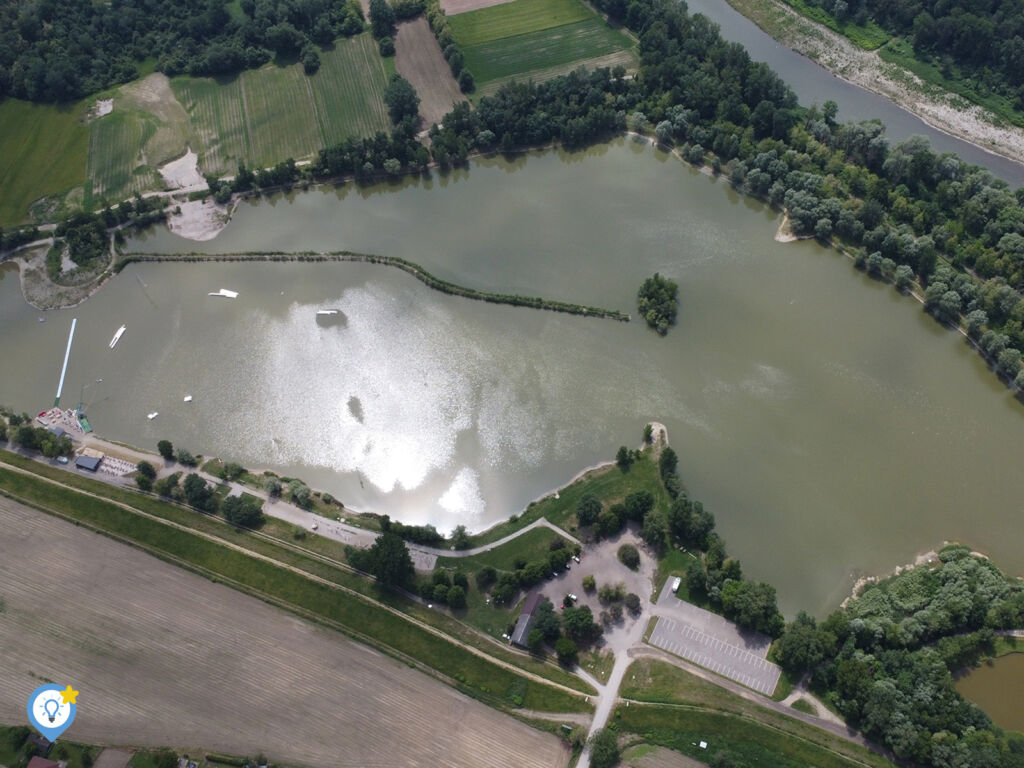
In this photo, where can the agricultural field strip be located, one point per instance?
(297, 571)
(625, 58)
(515, 18)
(564, 46)
(158, 649)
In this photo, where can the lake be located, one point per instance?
(829, 424)
(996, 687)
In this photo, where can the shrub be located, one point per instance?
(566, 650)
(632, 603)
(457, 597)
(386, 46)
(588, 509)
(604, 749)
(486, 576)
(629, 556)
(589, 583)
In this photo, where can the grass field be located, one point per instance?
(267, 115)
(515, 18)
(164, 656)
(116, 169)
(335, 606)
(610, 484)
(869, 37)
(696, 710)
(43, 151)
(536, 39)
(562, 47)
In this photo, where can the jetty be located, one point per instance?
(64, 369)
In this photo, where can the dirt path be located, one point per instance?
(940, 109)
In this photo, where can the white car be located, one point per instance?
(676, 584)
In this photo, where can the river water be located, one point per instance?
(828, 423)
(813, 84)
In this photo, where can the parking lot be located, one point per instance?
(712, 642)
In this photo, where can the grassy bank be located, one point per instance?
(681, 709)
(277, 584)
(412, 268)
(316, 555)
(870, 36)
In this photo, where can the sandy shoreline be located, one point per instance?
(939, 109)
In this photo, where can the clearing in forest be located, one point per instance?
(163, 656)
(536, 39)
(42, 152)
(419, 60)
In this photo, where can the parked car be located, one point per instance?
(62, 459)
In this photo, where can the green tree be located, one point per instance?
(801, 646)
(144, 482)
(623, 458)
(457, 597)
(658, 300)
(547, 621)
(578, 621)
(382, 19)
(166, 449)
(460, 537)
(198, 494)
(589, 583)
(401, 98)
(232, 471)
(535, 641)
(648, 434)
(653, 530)
(272, 486)
(440, 593)
(608, 524)
(186, 458)
(300, 494)
(752, 606)
(145, 469)
(629, 556)
(390, 561)
(604, 749)
(668, 463)
(638, 504)
(486, 576)
(245, 511)
(566, 651)
(588, 508)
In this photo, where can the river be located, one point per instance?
(830, 425)
(813, 84)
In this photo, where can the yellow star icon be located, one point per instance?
(69, 695)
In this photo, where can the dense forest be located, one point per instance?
(56, 50)
(983, 39)
(885, 661)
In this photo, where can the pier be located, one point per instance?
(64, 369)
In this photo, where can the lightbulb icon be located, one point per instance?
(51, 707)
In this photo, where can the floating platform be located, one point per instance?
(225, 293)
(117, 336)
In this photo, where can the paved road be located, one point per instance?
(713, 642)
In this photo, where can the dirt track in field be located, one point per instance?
(164, 657)
(419, 60)
(452, 7)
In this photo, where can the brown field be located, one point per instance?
(656, 757)
(452, 7)
(419, 60)
(162, 656)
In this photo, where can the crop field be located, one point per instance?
(419, 60)
(349, 90)
(270, 114)
(165, 657)
(217, 114)
(536, 39)
(549, 52)
(116, 169)
(515, 18)
(43, 152)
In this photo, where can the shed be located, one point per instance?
(42, 744)
(57, 431)
(90, 463)
(525, 621)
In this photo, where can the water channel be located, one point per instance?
(996, 687)
(813, 84)
(828, 423)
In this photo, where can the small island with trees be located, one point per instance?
(658, 299)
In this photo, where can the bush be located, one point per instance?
(145, 469)
(604, 749)
(457, 597)
(272, 486)
(629, 556)
(386, 46)
(612, 593)
(589, 583)
(632, 603)
(486, 576)
(440, 593)
(186, 458)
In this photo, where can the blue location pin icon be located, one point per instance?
(51, 709)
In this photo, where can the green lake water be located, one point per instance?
(998, 688)
(830, 425)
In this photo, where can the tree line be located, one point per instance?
(886, 660)
(58, 51)
(983, 41)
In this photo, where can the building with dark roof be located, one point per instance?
(525, 622)
(90, 463)
(42, 744)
